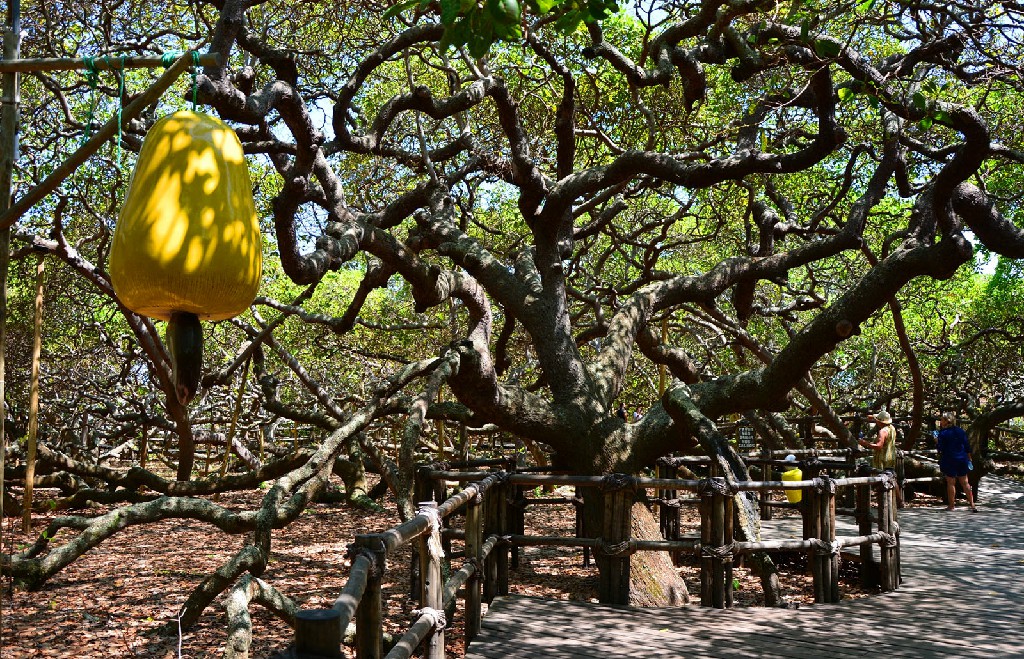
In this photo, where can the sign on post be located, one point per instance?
(745, 438)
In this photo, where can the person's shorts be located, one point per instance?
(955, 470)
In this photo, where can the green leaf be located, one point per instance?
(398, 8)
(943, 117)
(569, 21)
(845, 94)
(456, 35)
(925, 123)
(866, 5)
(919, 101)
(480, 35)
(805, 30)
(826, 48)
(505, 12)
(449, 11)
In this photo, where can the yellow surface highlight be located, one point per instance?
(188, 238)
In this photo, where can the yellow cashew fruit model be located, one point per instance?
(187, 242)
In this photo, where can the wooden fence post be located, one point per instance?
(715, 543)
(369, 613)
(422, 490)
(318, 634)
(431, 585)
(812, 531)
(808, 511)
(899, 468)
(668, 514)
(474, 554)
(577, 505)
(613, 584)
(490, 521)
(728, 501)
(862, 513)
(767, 474)
(496, 563)
(888, 567)
(826, 585)
(503, 548)
(517, 513)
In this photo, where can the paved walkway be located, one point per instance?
(962, 596)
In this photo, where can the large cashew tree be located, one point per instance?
(728, 190)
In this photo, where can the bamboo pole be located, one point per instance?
(108, 130)
(8, 144)
(206, 465)
(33, 398)
(104, 63)
(234, 424)
(144, 447)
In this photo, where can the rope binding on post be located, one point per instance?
(823, 548)
(434, 539)
(723, 552)
(618, 482)
(437, 618)
(707, 487)
(615, 549)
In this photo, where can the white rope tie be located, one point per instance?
(434, 539)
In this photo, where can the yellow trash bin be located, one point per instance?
(794, 474)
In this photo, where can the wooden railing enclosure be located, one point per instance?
(492, 528)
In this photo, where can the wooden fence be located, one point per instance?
(490, 532)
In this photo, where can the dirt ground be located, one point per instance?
(114, 601)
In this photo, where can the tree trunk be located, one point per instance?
(653, 580)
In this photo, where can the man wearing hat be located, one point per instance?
(884, 446)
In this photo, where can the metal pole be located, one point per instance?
(8, 151)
